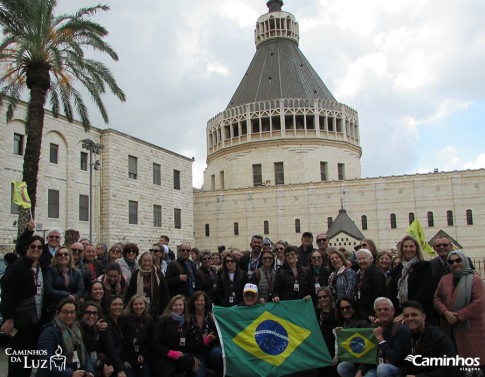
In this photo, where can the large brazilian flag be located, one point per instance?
(270, 340)
(357, 345)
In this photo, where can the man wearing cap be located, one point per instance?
(250, 295)
(306, 249)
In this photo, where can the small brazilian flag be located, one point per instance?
(357, 345)
(270, 340)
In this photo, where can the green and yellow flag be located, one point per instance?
(415, 230)
(20, 194)
(270, 340)
(357, 345)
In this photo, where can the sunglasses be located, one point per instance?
(442, 245)
(207, 258)
(35, 247)
(267, 258)
(321, 239)
(451, 262)
(131, 252)
(249, 295)
(57, 237)
(62, 254)
(279, 248)
(230, 261)
(89, 312)
(154, 251)
(345, 308)
(77, 251)
(184, 250)
(322, 297)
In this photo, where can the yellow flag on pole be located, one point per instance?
(415, 230)
(20, 194)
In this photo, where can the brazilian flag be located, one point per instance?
(357, 345)
(270, 340)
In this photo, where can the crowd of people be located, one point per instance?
(122, 312)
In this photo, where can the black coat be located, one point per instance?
(21, 247)
(367, 289)
(225, 289)
(285, 283)
(160, 297)
(137, 331)
(111, 341)
(208, 281)
(177, 286)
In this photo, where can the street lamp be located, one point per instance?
(93, 148)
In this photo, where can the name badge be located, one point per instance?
(231, 299)
(317, 287)
(182, 342)
(94, 355)
(193, 285)
(358, 295)
(381, 360)
(137, 348)
(38, 290)
(296, 287)
(75, 359)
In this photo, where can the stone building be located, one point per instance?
(140, 191)
(284, 157)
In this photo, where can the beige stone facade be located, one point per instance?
(113, 188)
(376, 198)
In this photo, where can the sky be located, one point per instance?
(413, 69)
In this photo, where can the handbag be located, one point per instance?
(26, 313)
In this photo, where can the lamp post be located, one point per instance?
(93, 148)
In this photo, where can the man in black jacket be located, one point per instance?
(182, 277)
(252, 261)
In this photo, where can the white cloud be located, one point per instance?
(477, 164)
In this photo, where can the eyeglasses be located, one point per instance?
(322, 297)
(267, 258)
(68, 312)
(184, 250)
(77, 250)
(35, 247)
(115, 251)
(57, 237)
(89, 312)
(154, 251)
(438, 245)
(363, 245)
(316, 258)
(321, 239)
(230, 261)
(345, 308)
(62, 254)
(451, 262)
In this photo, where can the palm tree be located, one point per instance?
(45, 53)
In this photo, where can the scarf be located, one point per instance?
(148, 278)
(464, 287)
(402, 284)
(179, 318)
(73, 341)
(64, 270)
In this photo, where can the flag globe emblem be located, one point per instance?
(358, 345)
(271, 337)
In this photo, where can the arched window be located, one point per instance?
(266, 227)
(449, 218)
(236, 229)
(207, 233)
(363, 219)
(329, 222)
(469, 217)
(411, 217)
(392, 217)
(430, 219)
(297, 226)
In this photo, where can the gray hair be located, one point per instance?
(365, 251)
(55, 230)
(378, 300)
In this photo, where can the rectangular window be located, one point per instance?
(449, 218)
(53, 204)
(132, 167)
(18, 144)
(157, 174)
(83, 207)
(157, 216)
(221, 178)
(279, 173)
(132, 212)
(213, 182)
(84, 161)
(177, 218)
(207, 231)
(341, 171)
(176, 179)
(14, 208)
(257, 175)
(54, 154)
(469, 217)
(323, 171)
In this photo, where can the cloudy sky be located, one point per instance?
(413, 69)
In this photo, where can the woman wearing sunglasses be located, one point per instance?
(230, 282)
(460, 301)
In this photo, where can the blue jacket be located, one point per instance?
(49, 340)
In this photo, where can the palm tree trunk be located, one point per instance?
(38, 83)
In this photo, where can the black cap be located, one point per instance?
(307, 234)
